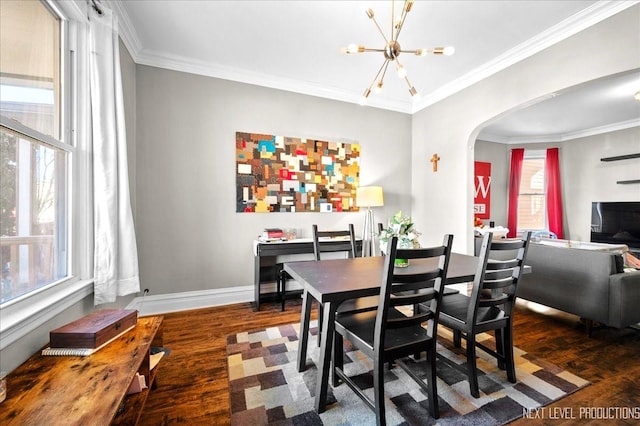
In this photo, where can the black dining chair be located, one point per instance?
(341, 241)
(388, 334)
(322, 244)
(490, 305)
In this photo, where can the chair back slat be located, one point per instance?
(420, 253)
(418, 278)
(334, 242)
(498, 265)
(407, 288)
(499, 283)
(493, 301)
(504, 245)
(397, 323)
(495, 283)
(409, 298)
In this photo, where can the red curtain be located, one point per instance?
(554, 192)
(515, 172)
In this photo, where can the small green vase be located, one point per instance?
(401, 263)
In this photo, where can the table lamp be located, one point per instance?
(369, 196)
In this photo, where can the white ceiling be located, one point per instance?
(596, 107)
(295, 46)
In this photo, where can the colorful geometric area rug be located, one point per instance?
(266, 388)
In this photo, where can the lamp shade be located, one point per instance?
(369, 196)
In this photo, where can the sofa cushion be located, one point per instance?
(624, 299)
(569, 279)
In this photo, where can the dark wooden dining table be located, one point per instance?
(331, 282)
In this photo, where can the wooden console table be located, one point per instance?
(265, 259)
(84, 390)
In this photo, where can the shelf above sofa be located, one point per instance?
(621, 157)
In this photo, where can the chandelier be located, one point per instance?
(392, 50)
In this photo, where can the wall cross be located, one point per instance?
(434, 160)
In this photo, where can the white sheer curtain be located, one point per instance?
(115, 251)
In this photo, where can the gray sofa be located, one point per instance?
(587, 283)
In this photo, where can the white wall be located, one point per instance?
(450, 127)
(189, 235)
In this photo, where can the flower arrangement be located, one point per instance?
(401, 227)
(477, 222)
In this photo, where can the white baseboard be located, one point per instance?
(174, 302)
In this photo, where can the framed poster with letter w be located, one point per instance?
(482, 185)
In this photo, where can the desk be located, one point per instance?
(265, 256)
(331, 282)
(84, 390)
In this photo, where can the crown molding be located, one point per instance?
(590, 16)
(188, 65)
(126, 30)
(622, 125)
(522, 140)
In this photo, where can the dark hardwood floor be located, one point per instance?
(192, 385)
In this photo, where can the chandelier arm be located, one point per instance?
(413, 51)
(366, 49)
(412, 89)
(408, 82)
(373, 18)
(393, 11)
(405, 11)
(368, 90)
(384, 65)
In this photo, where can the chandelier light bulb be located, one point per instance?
(352, 48)
(449, 50)
(378, 88)
(365, 95)
(637, 96)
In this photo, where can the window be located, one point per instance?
(34, 151)
(532, 210)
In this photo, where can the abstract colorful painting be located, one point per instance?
(285, 174)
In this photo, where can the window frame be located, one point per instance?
(535, 154)
(62, 178)
(26, 313)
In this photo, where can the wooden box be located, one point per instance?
(94, 330)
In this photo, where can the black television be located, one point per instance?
(616, 223)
